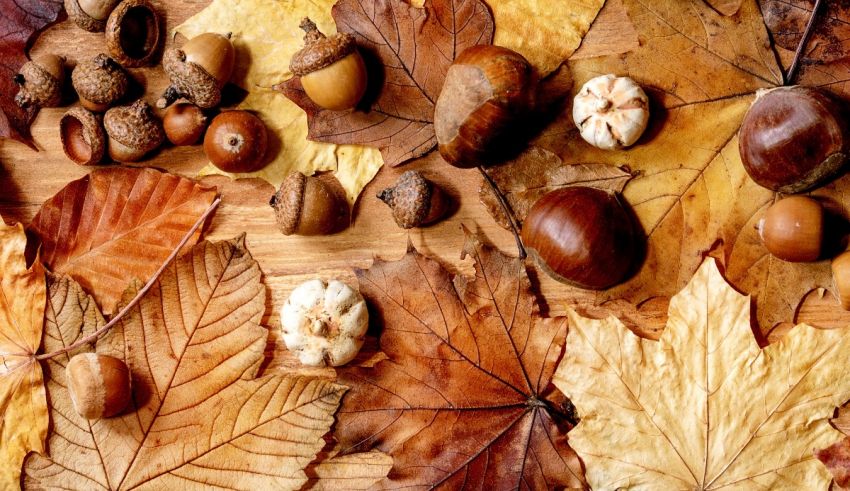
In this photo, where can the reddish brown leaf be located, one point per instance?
(117, 224)
(464, 399)
(830, 41)
(19, 21)
(408, 51)
(836, 458)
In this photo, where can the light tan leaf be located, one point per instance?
(350, 472)
(725, 7)
(117, 224)
(23, 426)
(198, 418)
(704, 407)
(612, 33)
(266, 35)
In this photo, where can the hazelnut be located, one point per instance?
(83, 138)
(184, 123)
(99, 82)
(100, 385)
(133, 131)
(198, 70)
(332, 71)
(792, 229)
(414, 200)
(132, 33)
(236, 141)
(90, 15)
(307, 205)
(40, 82)
(611, 112)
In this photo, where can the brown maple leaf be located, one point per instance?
(199, 417)
(464, 398)
(408, 51)
(117, 224)
(830, 40)
(19, 21)
(725, 7)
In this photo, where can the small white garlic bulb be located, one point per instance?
(611, 112)
(324, 323)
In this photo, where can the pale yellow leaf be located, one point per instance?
(266, 35)
(23, 404)
(351, 472)
(704, 407)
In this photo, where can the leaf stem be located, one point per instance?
(141, 293)
(506, 208)
(798, 54)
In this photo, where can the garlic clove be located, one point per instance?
(611, 112)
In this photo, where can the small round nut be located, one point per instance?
(99, 385)
(99, 82)
(414, 200)
(133, 33)
(83, 137)
(184, 123)
(307, 205)
(236, 141)
(611, 112)
(841, 278)
(792, 229)
(133, 131)
(324, 323)
(41, 81)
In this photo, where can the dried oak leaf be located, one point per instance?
(830, 41)
(199, 417)
(23, 404)
(704, 407)
(117, 224)
(464, 398)
(20, 20)
(408, 51)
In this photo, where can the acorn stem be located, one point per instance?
(506, 208)
(312, 34)
(798, 54)
(168, 97)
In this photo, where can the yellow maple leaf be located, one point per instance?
(23, 403)
(266, 35)
(704, 407)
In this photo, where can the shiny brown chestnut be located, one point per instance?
(793, 139)
(792, 229)
(487, 92)
(582, 236)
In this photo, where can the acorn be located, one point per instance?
(100, 386)
(236, 141)
(90, 15)
(40, 81)
(332, 71)
(841, 278)
(99, 82)
(133, 33)
(133, 131)
(198, 70)
(184, 123)
(793, 229)
(307, 205)
(414, 200)
(83, 137)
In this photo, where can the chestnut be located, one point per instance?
(793, 139)
(582, 236)
(792, 229)
(841, 278)
(236, 141)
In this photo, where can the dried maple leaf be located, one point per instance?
(198, 417)
(19, 21)
(117, 224)
(830, 41)
(23, 405)
(464, 398)
(725, 7)
(704, 407)
(612, 33)
(415, 47)
(836, 458)
(350, 472)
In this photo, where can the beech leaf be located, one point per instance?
(117, 224)
(20, 20)
(408, 51)
(704, 407)
(199, 416)
(23, 404)
(464, 398)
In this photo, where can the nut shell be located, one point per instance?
(99, 82)
(236, 141)
(100, 386)
(90, 15)
(133, 33)
(307, 205)
(320, 51)
(83, 137)
(184, 123)
(792, 229)
(133, 131)
(41, 81)
(414, 200)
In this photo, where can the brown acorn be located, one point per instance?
(83, 137)
(198, 70)
(133, 131)
(307, 205)
(90, 15)
(99, 82)
(133, 33)
(332, 71)
(40, 82)
(414, 200)
(184, 123)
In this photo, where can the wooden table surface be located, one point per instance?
(28, 178)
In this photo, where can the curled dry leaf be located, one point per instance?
(19, 22)
(704, 407)
(464, 398)
(199, 416)
(23, 404)
(830, 41)
(268, 30)
(117, 224)
(415, 47)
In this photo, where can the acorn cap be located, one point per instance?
(189, 80)
(83, 139)
(134, 46)
(100, 80)
(319, 50)
(409, 198)
(134, 126)
(41, 82)
(287, 202)
(83, 19)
